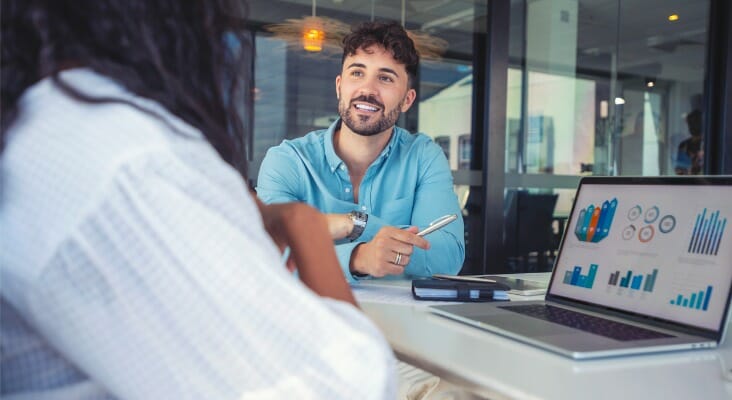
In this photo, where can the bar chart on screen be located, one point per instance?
(634, 281)
(707, 233)
(575, 277)
(698, 300)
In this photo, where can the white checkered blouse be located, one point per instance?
(135, 265)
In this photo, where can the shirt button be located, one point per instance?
(348, 190)
(343, 167)
(363, 208)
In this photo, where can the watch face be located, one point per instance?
(359, 223)
(359, 217)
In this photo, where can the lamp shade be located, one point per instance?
(312, 39)
(314, 34)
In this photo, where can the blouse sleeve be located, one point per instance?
(170, 288)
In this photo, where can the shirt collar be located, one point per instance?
(334, 162)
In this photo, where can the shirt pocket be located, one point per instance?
(398, 211)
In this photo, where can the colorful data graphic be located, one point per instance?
(707, 233)
(642, 223)
(643, 228)
(697, 301)
(575, 277)
(593, 223)
(634, 282)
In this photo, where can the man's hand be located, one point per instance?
(388, 252)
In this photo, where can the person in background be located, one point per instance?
(134, 261)
(690, 155)
(372, 177)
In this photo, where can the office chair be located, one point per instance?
(528, 233)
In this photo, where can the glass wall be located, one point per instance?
(605, 87)
(602, 87)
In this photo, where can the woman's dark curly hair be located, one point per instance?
(188, 56)
(389, 35)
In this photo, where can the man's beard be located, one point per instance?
(360, 124)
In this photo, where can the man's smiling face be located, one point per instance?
(372, 91)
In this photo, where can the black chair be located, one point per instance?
(529, 237)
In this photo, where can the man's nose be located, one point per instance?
(369, 88)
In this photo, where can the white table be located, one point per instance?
(505, 368)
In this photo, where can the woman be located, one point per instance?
(135, 264)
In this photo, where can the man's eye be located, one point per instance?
(387, 79)
(356, 73)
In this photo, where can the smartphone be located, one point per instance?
(437, 224)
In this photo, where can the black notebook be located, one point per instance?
(449, 290)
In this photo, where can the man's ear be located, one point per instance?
(409, 99)
(338, 87)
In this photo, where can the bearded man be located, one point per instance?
(378, 183)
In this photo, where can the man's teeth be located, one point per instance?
(365, 107)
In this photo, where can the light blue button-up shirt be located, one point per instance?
(409, 184)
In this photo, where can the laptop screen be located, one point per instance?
(657, 247)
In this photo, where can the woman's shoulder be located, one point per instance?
(114, 123)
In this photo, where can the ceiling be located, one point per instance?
(636, 30)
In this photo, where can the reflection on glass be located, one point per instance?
(602, 87)
(445, 115)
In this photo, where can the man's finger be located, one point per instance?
(409, 235)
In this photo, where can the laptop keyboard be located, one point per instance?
(588, 323)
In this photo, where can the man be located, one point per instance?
(372, 177)
(135, 263)
(690, 155)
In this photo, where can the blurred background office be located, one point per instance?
(524, 96)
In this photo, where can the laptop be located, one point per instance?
(644, 265)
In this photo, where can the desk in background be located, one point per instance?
(508, 369)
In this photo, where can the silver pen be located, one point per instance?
(437, 224)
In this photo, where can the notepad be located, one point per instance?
(453, 294)
(450, 290)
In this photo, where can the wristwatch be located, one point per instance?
(359, 224)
